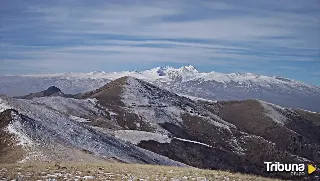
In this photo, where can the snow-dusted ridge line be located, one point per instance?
(312, 112)
(272, 113)
(16, 128)
(186, 73)
(131, 93)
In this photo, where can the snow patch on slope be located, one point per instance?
(133, 93)
(236, 147)
(272, 113)
(197, 98)
(3, 105)
(79, 119)
(16, 128)
(78, 109)
(135, 137)
(194, 142)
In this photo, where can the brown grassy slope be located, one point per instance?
(299, 135)
(115, 171)
(313, 117)
(109, 93)
(249, 116)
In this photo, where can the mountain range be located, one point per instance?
(136, 120)
(186, 80)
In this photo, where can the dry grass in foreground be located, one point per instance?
(114, 171)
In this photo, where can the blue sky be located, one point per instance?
(274, 37)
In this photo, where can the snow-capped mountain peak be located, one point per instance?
(189, 68)
(185, 80)
(168, 73)
(184, 73)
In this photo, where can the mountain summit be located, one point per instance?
(51, 91)
(183, 70)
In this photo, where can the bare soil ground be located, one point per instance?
(114, 171)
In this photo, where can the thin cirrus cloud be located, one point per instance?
(265, 37)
